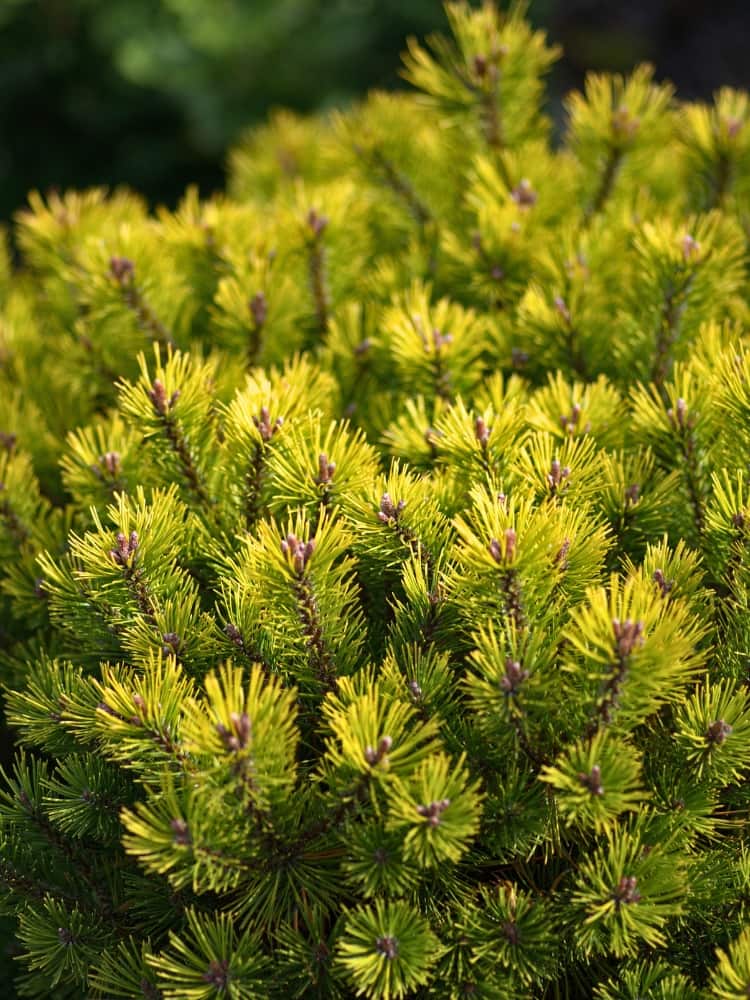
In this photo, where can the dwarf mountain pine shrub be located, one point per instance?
(375, 555)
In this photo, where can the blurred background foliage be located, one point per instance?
(152, 92)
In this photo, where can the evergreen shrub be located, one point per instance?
(375, 554)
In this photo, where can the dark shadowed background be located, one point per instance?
(151, 92)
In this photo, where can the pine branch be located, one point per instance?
(259, 312)
(612, 167)
(693, 484)
(490, 112)
(321, 661)
(400, 185)
(390, 515)
(251, 653)
(510, 587)
(180, 758)
(15, 526)
(668, 330)
(628, 638)
(75, 854)
(126, 556)
(576, 358)
(722, 181)
(684, 425)
(317, 225)
(123, 272)
(178, 442)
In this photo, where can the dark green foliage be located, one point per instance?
(151, 92)
(375, 555)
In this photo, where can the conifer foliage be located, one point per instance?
(375, 554)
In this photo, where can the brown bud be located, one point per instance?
(326, 470)
(511, 933)
(519, 358)
(510, 544)
(122, 270)
(626, 891)
(662, 583)
(317, 223)
(679, 415)
(557, 475)
(110, 462)
(181, 832)
(237, 736)
(158, 396)
(718, 732)
(561, 556)
(233, 634)
(264, 425)
(387, 947)
(126, 547)
(481, 431)
(301, 560)
(561, 308)
(172, 643)
(258, 309)
(65, 936)
(523, 194)
(389, 512)
(592, 781)
(440, 340)
(122, 545)
(218, 975)
(433, 811)
(513, 678)
(374, 755)
(690, 247)
(299, 551)
(629, 636)
(7, 441)
(507, 553)
(570, 424)
(632, 495)
(624, 125)
(733, 126)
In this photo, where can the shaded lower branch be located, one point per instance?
(612, 168)
(15, 526)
